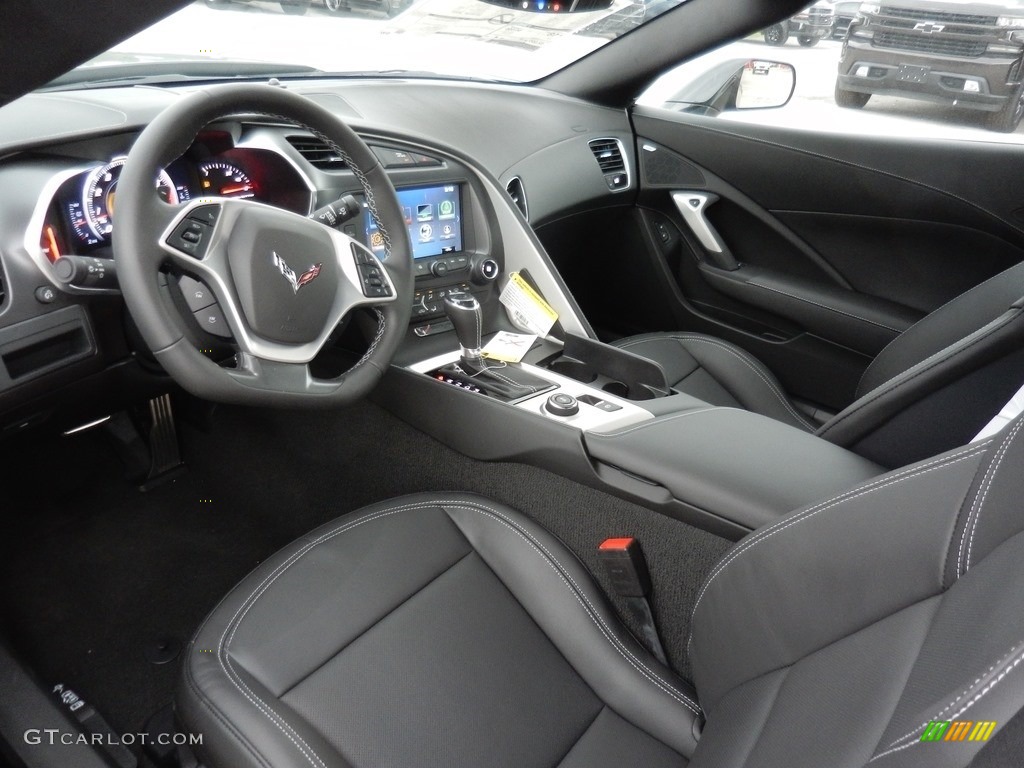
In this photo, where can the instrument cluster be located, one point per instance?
(82, 214)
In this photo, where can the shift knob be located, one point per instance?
(465, 314)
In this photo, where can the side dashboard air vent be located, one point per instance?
(317, 153)
(611, 158)
(517, 192)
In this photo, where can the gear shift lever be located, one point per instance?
(506, 382)
(463, 310)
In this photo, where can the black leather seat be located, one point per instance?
(933, 387)
(447, 630)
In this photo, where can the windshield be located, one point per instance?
(451, 38)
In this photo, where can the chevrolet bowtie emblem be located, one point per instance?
(296, 281)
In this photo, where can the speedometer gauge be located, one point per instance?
(225, 180)
(100, 192)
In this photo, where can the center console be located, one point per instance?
(605, 417)
(591, 412)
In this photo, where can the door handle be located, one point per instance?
(693, 206)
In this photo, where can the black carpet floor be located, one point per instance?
(95, 573)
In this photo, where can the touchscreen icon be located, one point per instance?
(447, 232)
(426, 232)
(446, 209)
(424, 212)
(376, 241)
(407, 211)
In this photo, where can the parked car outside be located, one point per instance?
(812, 24)
(967, 55)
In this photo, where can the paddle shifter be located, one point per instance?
(464, 312)
(497, 379)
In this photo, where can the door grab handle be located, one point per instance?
(692, 207)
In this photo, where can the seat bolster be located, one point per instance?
(755, 614)
(742, 378)
(558, 592)
(906, 393)
(264, 733)
(956, 319)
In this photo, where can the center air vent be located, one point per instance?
(517, 192)
(611, 159)
(317, 153)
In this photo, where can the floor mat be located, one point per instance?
(94, 573)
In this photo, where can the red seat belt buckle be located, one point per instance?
(625, 565)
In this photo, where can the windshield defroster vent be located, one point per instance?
(517, 192)
(611, 158)
(317, 153)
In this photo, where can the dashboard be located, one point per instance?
(67, 349)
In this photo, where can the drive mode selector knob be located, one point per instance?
(561, 404)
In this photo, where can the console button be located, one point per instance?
(562, 404)
(439, 268)
(421, 269)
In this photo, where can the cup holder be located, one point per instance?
(574, 369)
(616, 388)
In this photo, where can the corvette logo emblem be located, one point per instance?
(296, 281)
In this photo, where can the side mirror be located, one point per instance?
(735, 84)
(765, 85)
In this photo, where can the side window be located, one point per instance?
(921, 68)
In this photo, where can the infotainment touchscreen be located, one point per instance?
(433, 216)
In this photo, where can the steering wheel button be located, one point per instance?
(206, 214)
(197, 295)
(212, 321)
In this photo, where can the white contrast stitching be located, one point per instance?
(981, 694)
(240, 614)
(955, 701)
(982, 494)
(824, 306)
(853, 493)
(742, 357)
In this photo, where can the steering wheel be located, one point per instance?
(283, 282)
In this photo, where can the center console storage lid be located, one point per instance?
(735, 464)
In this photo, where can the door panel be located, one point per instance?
(843, 241)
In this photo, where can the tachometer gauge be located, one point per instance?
(225, 180)
(100, 191)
